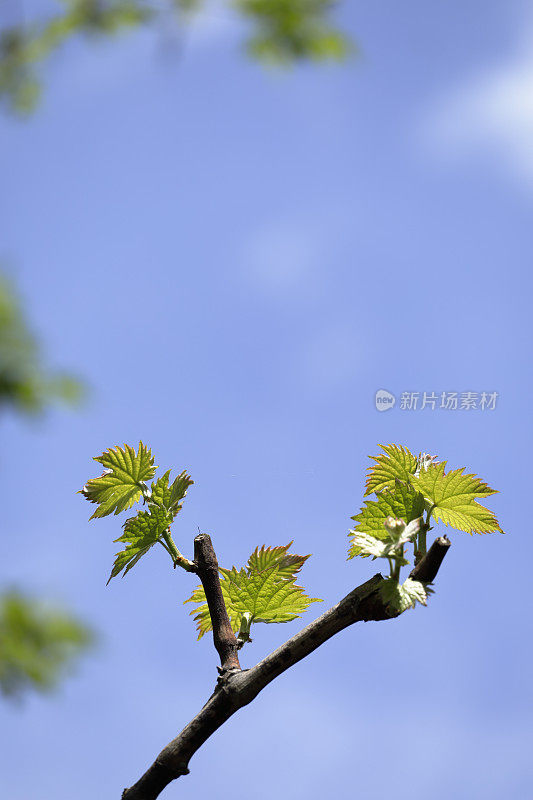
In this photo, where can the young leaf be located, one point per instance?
(396, 462)
(402, 596)
(453, 497)
(267, 557)
(390, 547)
(423, 462)
(401, 502)
(123, 481)
(140, 534)
(266, 589)
(178, 489)
(266, 595)
(169, 497)
(367, 545)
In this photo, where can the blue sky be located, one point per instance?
(236, 261)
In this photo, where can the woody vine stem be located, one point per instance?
(229, 601)
(236, 688)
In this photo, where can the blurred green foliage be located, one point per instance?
(23, 47)
(25, 385)
(293, 30)
(37, 644)
(283, 32)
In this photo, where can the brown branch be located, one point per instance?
(238, 688)
(207, 568)
(427, 568)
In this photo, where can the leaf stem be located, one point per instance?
(178, 559)
(244, 631)
(397, 566)
(422, 541)
(422, 534)
(163, 544)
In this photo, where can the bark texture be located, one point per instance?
(207, 568)
(426, 570)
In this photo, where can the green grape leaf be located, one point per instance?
(266, 595)
(160, 491)
(123, 481)
(453, 496)
(396, 462)
(401, 502)
(266, 589)
(169, 496)
(178, 489)
(402, 596)
(267, 557)
(140, 534)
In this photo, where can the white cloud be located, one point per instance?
(489, 115)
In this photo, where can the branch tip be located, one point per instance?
(207, 568)
(427, 568)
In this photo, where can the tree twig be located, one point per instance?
(427, 568)
(236, 689)
(223, 637)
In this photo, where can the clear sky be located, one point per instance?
(236, 261)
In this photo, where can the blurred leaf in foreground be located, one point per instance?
(25, 384)
(37, 644)
(286, 31)
(281, 32)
